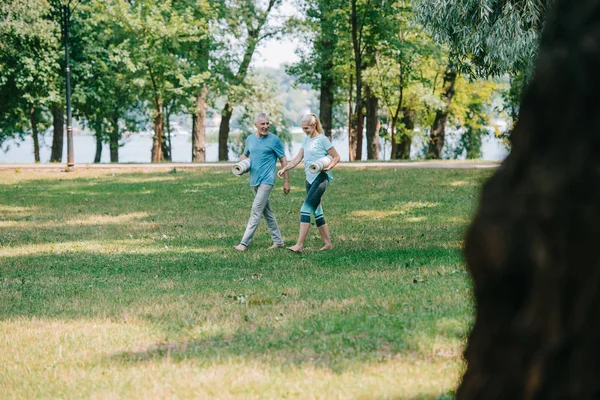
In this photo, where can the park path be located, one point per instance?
(445, 164)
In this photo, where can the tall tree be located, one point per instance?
(248, 20)
(156, 33)
(318, 66)
(356, 131)
(28, 67)
(437, 133)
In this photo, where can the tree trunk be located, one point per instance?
(166, 142)
(358, 66)
(394, 149)
(373, 125)
(199, 129)
(405, 142)
(438, 129)
(326, 106)
(531, 249)
(351, 133)
(325, 46)
(98, 155)
(224, 132)
(114, 141)
(34, 133)
(158, 130)
(253, 40)
(58, 122)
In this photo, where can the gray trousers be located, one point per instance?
(261, 206)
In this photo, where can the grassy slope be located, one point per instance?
(124, 285)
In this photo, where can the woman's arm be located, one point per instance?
(292, 164)
(336, 158)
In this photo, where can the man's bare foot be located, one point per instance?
(326, 247)
(240, 247)
(276, 246)
(296, 248)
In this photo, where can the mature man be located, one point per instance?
(263, 149)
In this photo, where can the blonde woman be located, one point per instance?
(314, 147)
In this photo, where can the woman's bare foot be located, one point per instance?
(296, 248)
(240, 247)
(326, 247)
(276, 246)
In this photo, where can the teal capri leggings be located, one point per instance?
(312, 203)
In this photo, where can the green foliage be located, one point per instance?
(496, 36)
(260, 100)
(29, 64)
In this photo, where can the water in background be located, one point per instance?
(137, 149)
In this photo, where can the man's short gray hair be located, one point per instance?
(261, 115)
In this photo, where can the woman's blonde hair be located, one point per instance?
(313, 119)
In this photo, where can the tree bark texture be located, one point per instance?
(405, 137)
(166, 141)
(358, 120)
(114, 141)
(326, 106)
(351, 131)
(532, 248)
(58, 123)
(373, 125)
(34, 133)
(438, 129)
(98, 153)
(224, 132)
(199, 128)
(158, 131)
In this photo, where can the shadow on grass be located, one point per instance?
(331, 310)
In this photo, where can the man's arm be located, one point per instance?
(286, 176)
(243, 157)
(292, 164)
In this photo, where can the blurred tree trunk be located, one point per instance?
(358, 119)
(373, 125)
(326, 105)
(531, 249)
(438, 129)
(351, 131)
(34, 133)
(58, 122)
(114, 140)
(166, 142)
(405, 142)
(98, 154)
(199, 128)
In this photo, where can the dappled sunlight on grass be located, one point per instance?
(459, 183)
(397, 209)
(377, 214)
(9, 212)
(82, 220)
(94, 358)
(126, 246)
(129, 287)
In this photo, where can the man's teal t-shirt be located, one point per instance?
(264, 153)
(315, 149)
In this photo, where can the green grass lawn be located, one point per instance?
(125, 285)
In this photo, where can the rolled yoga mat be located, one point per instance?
(318, 165)
(241, 168)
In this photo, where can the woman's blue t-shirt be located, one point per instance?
(315, 149)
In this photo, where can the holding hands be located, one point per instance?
(282, 171)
